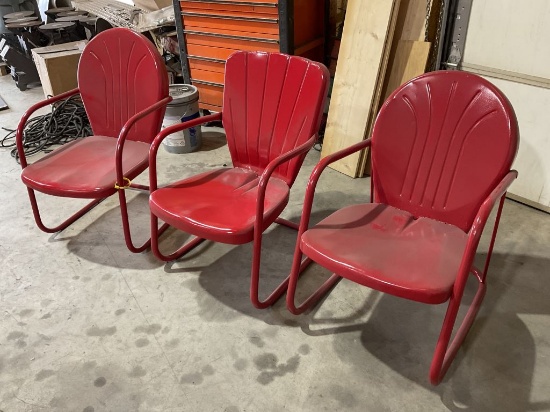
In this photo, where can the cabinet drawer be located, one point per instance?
(199, 63)
(209, 52)
(235, 33)
(229, 42)
(211, 107)
(209, 94)
(230, 22)
(206, 76)
(245, 2)
(234, 6)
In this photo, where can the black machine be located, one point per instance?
(22, 29)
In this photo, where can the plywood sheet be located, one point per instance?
(408, 59)
(414, 25)
(364, 51)
(410, 26)
(408, 62)
(389, 56)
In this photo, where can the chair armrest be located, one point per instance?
(153, 150)
(325, 161)
(25, 118)
(316, 174)
(489, 203)
(126, 128)
(268, 171)
(474, 234)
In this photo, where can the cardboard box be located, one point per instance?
(152, 5)
(3, 69)
(57, 66)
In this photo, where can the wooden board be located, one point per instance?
(408, 62)
(410, 26)
(414, 24)
(377, 102)
(3, 69)
(365, 48)
(411, 22)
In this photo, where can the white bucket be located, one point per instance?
(183, 107)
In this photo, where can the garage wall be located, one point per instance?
(509, 43)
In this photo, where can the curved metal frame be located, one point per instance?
(258, 223)
(445, 349)
(120, 179)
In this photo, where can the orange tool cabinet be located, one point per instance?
(210, 30)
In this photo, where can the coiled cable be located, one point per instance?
(66, 122)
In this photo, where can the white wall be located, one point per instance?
(515, 36)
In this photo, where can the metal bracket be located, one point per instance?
(461, 19)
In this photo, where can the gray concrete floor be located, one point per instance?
(88, 326)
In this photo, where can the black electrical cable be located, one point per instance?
(67, 121)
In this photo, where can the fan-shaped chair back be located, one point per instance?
(443, 165)
(272, 104)
(121, 73)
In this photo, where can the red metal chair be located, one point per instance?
(271, 113)
(442, 148)
(123, 84)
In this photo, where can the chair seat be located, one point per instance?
(85, 168)
(389, 250)
(219, 205)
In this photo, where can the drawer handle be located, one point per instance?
(207, 59)
(229, 36)
(206, 83)
(215, 16)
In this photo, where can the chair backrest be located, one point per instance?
(440, 145)
(272, 103)
(121, 73)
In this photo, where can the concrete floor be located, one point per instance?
(88, 326)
